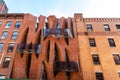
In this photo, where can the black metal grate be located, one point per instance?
(66, 66)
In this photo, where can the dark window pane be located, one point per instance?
(118, 27)
(106, 27)
(95, 58)
(6, 62)
(111, 42)
(99, 76)
(89, 27)
(17, 25)
(116, 58)
(92, 42)
(119, 74)
(11, 47)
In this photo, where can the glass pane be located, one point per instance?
(8, 24)
(14, 35)
(1, 46)
(2, 76)
(11, 46)
(17, 25)
(0, 23)
(4, 35)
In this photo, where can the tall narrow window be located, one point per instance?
(118, 27)
(106, 27)
(14, 35)
(6, 62)
(2, 76)
(11, 47)
(116, 58)
(1, 46)
(89, 27)
(58, 29)
(111, 42)
(95, 58)
(4, 35)
(8, 24)
(92, 42)
(17, 25)
(0, 23)
(99, 76)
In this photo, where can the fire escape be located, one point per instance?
(28, 48)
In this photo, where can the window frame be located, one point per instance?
(6, 62)
(8, 24)
(92, 42)
(4, 35)
(111, 42)
(119, 74)
(89, 27)
(0, 23)
(95, 58)
(118, 27)
(1, 76)
(99, 76)
(14, 37)
(106, 28)
(116, 58)
(17, 24)
(9, 47)
(2, 46)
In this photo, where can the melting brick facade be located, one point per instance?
(43, 50)
(50, 48)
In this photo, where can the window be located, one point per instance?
(1, 46)
(14, 35)
(17, 25)
(89, 27)
(118, 27)
(111, 42)
(6, 62)
(95, 58)
(99, 76)
(92, 42)
(116, 58)
(4, 35)
(11, 47)
(8, 24)
(119, 74)
(2, 76)
(0, 23)
(106, 27)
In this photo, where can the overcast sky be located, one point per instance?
(89, 8)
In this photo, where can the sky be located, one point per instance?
(66, 8)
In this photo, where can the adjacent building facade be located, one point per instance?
(50, 48)
(3, 7)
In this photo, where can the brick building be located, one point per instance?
(3, 7)
(50, 48)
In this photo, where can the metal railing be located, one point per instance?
(29, 48)
(57, 32)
